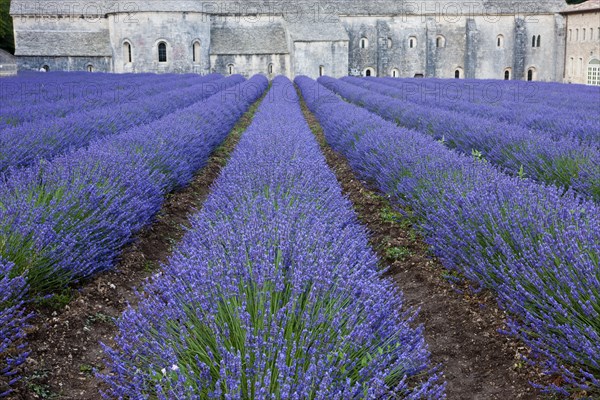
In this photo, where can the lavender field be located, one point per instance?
(277, 288)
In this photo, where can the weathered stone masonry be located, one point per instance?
(484, 39)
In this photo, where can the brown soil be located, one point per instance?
(461, 328)
(65, 343)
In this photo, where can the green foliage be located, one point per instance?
(398, 253)
(87, 369)
(522, 172)
(36, 383)
(56, 301)
(201, 342)
(98, 318)
(7, 39)
(388, 214)
(478, 156)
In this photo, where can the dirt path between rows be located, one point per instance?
(461, 328)
(65, 343)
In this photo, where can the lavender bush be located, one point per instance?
(22, 145)
(13, 322)
(67, 219)
(33, 88)
(563, 162)
(541, 107)
(95, 92)
(274, 292)
(537, 247)
(64, 220)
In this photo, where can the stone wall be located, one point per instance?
(8, 64)
(249, 65)
(581, 52)
(309, 57)
(469, 45)
(144, 31)
(92, 64)
(406, 39)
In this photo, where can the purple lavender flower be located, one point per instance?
(274, 292)
(13, 322)
(66, 219)
(561, 161)
(48, 137)
(536, 246)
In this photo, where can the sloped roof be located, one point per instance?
(234, 39)
(7, 58)
(317, 32)
(330, 7)
(62, 43)
(591, 5)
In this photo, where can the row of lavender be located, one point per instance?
(577, 100)
(25, 144)
(537, 247)
(274, 292)
(528, 105)
(67, 219)
(47, 88)
(93, 94)
(562, 162)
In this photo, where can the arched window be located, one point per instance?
(364, 43)
(500, 41)
(369, 71)
(459, 73)
(440, 41)
(196, 52)
(270, 69)
(230, 69)
(390, 43)
(539, 41)
(580, 67)
(162, 52)
(321, 70)
(594, 73)
(45, 68)
(531, 74)
(90, 68)
(533, 41)
(412, 42)
(127, 53)
(577, 34)
(395, 73)
(507, 74)
(583, 35)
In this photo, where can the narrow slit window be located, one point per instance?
(127, 53)
(196, 52)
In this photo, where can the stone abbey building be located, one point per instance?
(445, 39)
